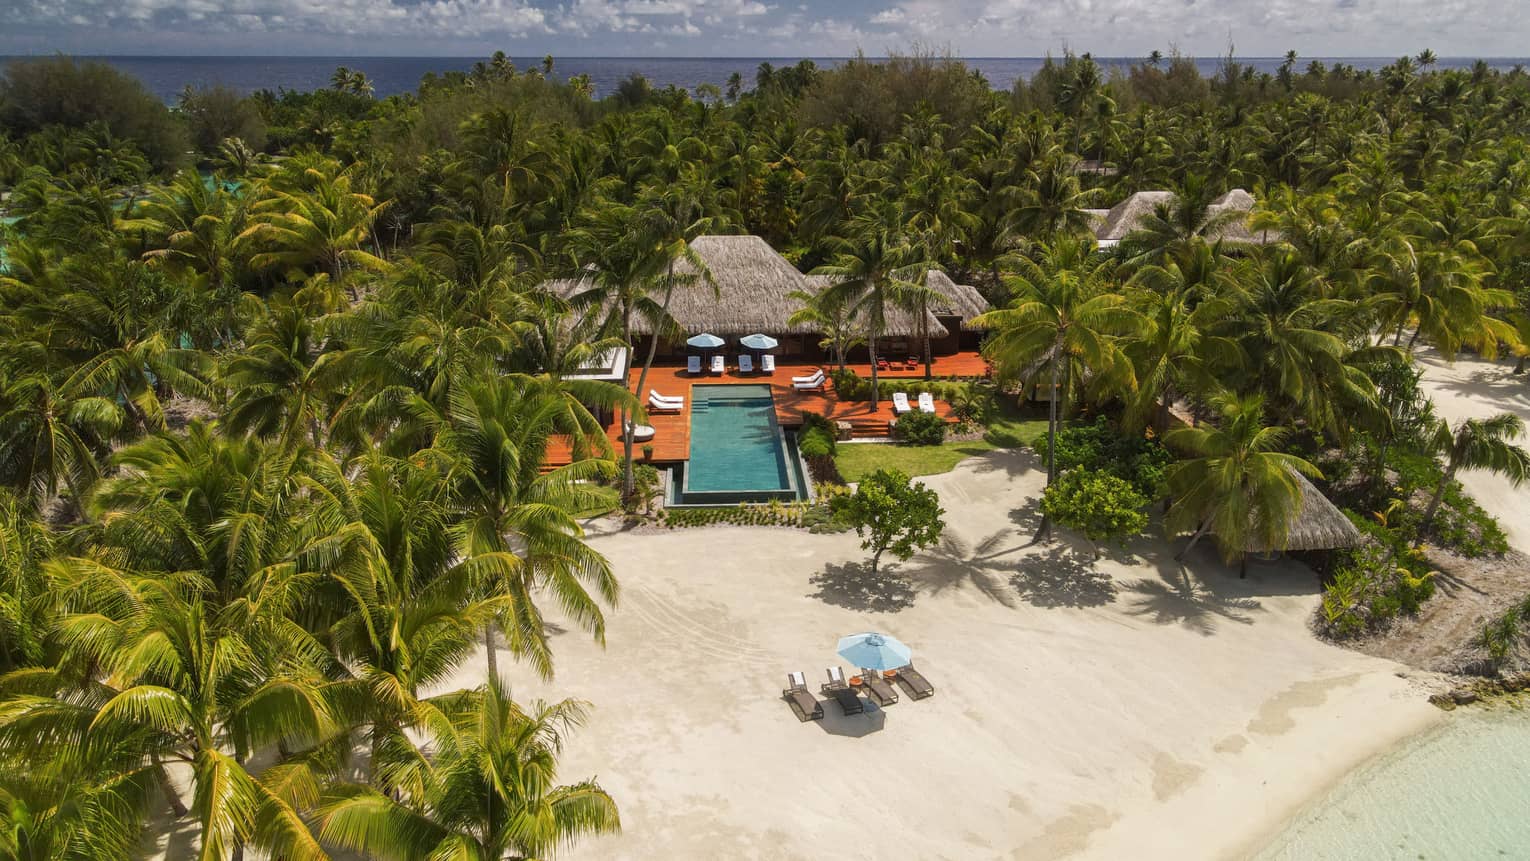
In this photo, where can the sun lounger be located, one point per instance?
(693, 365)
(914, 684)
(926, 402)
(746, 364)
(802, 702)
(660, 403)
(900, 403)
(718, 365)
(767, 364)
(849, 701)
(812, 381)
(878, 688)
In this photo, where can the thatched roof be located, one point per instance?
(1239, 204)
(900, 323)
(962, 300)
(1128, 215)
(1319, 524)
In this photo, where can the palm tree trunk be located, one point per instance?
(924, 328)
(623, 416)
(489, 655)
(653, 347)
(1205, 525)
(1434, 502)
(871, 347)
(1044, 530)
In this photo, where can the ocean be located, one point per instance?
(168, 76)
(1458, 791)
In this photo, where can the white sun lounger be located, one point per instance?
(662, 403)
(900, 403)
(693, 365)
(719, 365)
(926, 402)
(812, 381)
(767, 364)
(746, 364)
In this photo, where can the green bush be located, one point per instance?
(920, 428)
(1371, 584)
(1136, 459)
(1102, 506)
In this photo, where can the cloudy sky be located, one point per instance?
(754, 28)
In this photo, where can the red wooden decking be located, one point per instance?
(672, 430)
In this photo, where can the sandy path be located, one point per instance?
(1474, 388)
(1122, 709)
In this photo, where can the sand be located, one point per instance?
(1475, 388)
(1121, 708)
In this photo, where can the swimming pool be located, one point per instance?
(738, 451)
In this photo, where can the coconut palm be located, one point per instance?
(322, 226)
(875, 269)
(488, 789)
(1054, 204)
(279, 384)
(519, 530)
(50, 439)
(1236, 482)
(1063, 316)
(1485, 444)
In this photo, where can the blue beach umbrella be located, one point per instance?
(874, 651)
(705, 341)
(759, 341)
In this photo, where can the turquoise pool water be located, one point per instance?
(1459, 791)
(735, 443)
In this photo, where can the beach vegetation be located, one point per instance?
(892, 514)
(1097, 503)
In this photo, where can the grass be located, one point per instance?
(1010, 428)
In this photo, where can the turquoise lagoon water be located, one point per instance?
(1460, 791)
(735, 443)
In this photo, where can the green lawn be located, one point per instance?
(1007, 430)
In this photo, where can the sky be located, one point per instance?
(761, 28)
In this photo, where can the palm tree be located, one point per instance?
(279, 384)
(829, 314)
(519, 531)
(1236, 483)
(1062, 316)
(323, 227)
(487, 791)
(875, 270)
(1485, 444)
(1054, 204)
(50, 438)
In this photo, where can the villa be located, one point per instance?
(722, 419)
(1120, 221)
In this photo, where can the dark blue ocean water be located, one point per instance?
(167, 76)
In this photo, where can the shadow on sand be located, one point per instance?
(838, 723)
(852, 585)
(1062, 576)
(954, 562)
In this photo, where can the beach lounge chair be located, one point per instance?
(802, 702)
(718, 365)
(746, 364)
(914, 684)
(836, 687)
(900, 403)
(662, 404)
(926, 402)
(693, 365)
(814, 380)
(767, 364)
(878, 688)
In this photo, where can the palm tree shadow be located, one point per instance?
(953, 562)
(1063, 576)
(1176, 598)
(852, 585)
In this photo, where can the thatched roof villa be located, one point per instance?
(1318, 525)
(751, 291)
(1120, 221)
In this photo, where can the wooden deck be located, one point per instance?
(672, 430)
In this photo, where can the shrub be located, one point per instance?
(1136, 459)
(919, 428)
(1371, 584)
(1102, 506)
(892, 513)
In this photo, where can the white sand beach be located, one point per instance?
(1472, 388)
(1127, 708)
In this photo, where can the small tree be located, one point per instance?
(891, 513)
(1485, 444)
(1096, 503)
